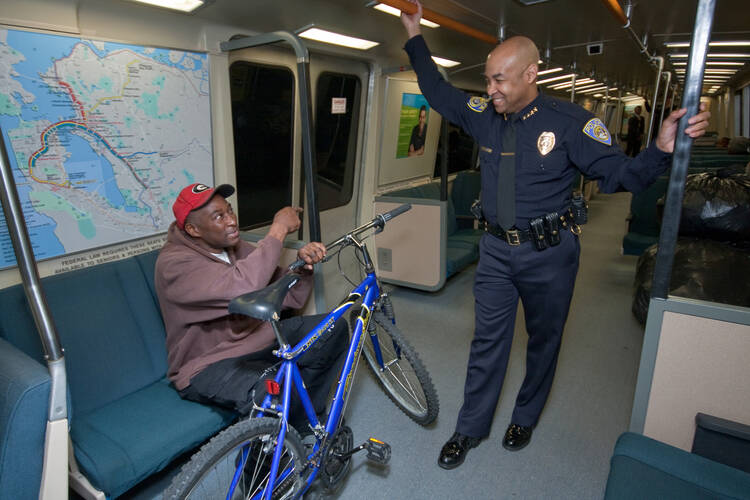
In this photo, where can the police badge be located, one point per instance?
(545, 143)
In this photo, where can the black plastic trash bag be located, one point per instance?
(703, 269)
(716, 205)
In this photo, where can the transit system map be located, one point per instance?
(100, 136)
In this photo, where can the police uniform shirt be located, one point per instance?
(553, 137)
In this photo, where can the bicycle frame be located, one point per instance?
(288, 375)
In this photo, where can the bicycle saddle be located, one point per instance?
(264, 303)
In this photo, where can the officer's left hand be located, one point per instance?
(697, 126)
(312, 253)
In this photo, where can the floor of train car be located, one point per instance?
(588, 408)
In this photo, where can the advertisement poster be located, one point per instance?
(412, 128)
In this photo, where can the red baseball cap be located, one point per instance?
(194, 197)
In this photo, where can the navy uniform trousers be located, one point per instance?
(544, 281)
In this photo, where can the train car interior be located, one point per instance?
(109, 108)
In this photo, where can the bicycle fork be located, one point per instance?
(386, 306)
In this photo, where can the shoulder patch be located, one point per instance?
(476, 103)
(595, 129)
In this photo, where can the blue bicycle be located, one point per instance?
(263, 457)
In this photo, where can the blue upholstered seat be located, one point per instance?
(127, 421)
(24, 402)
(646, 469)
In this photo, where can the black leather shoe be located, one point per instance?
(516, 437)
(454, 451)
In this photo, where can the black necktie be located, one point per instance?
(506, 178)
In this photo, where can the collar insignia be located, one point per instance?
(531, 112)
(478, 104)
(545, 143)
(595, 129)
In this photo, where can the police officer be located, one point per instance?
(530, 148)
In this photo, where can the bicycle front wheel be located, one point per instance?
(402, 374)
(210, 472)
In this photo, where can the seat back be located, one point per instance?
(108, 323)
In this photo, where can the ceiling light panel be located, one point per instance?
(446, 63)
(320, 35)
(736, 43)
(548, 71)
(181, 5)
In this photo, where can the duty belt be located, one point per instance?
(513, 236)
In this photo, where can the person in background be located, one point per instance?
(636, 124)
(419, 134)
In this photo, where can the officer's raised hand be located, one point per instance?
(411, 21)
(697, 126)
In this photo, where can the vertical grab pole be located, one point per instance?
(19, 236)
(660, 67)
(55, 466)
(666, 91)
(308, 145)
(618, 114)
(676, 189)
(573, 89)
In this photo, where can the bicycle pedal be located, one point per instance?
(378, 451)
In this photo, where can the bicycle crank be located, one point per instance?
(377, 451)
(336, 460)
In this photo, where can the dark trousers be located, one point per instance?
(634, 147)
(230, 382)
(544, 282)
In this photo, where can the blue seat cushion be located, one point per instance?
(129, 439)
(644, 468)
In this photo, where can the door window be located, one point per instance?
(262, 121)
(336, 121)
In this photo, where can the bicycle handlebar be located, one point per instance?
(378, 221)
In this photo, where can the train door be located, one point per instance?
(339, 93)
(268, 136)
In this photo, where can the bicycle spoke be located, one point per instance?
(409, 389)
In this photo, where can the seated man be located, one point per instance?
(217, 357)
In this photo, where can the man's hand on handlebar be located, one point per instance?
(284, 222)
(312, 253)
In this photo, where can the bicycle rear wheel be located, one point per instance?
(209, 473)
(403, 376)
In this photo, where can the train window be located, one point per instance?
(263, 121)
(336, 121)
(462, 151)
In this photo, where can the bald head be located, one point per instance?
(510, 73)
(521, 48)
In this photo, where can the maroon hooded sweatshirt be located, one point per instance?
(194, 289)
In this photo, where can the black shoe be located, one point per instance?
(516, 437)
(454, 451)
